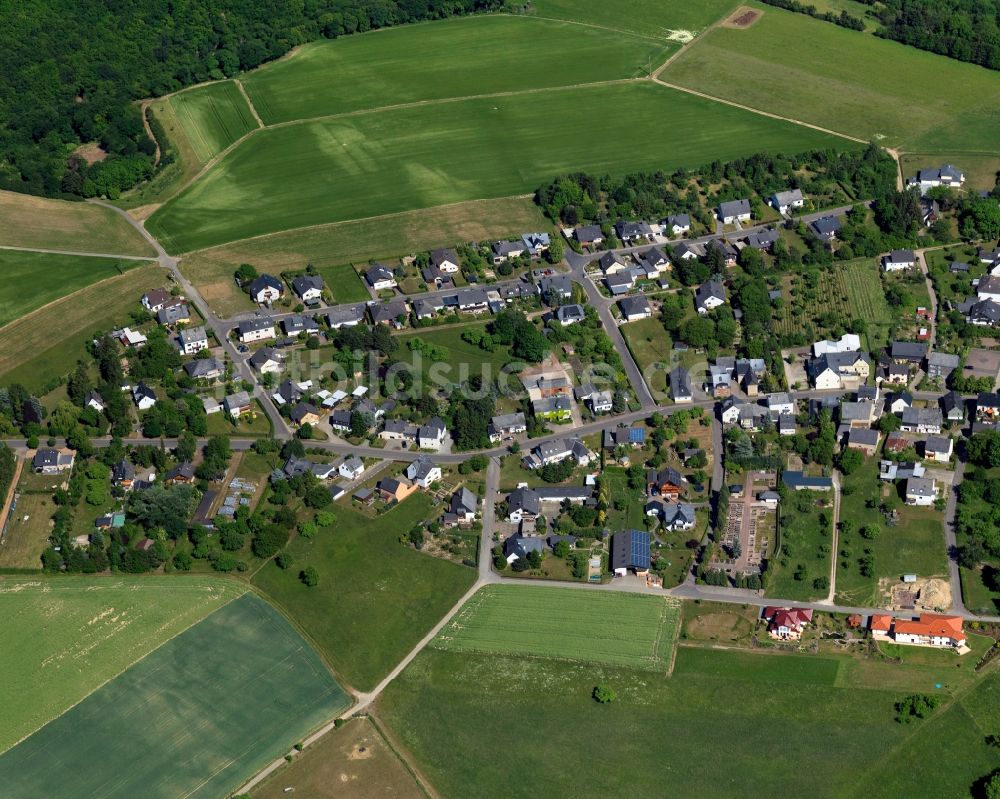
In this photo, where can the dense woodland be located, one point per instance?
(70, 71)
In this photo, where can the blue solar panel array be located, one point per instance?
(637, 435)
(640, 549)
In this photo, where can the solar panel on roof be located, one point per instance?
(637, 435)
(640, 549)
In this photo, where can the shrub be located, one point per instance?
(604, 694)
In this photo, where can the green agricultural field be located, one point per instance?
(33, 279)
(212, 117)
(332, 248)
(802, 68)
(916, 544)
(59, 225)
(805, 542)
(63, 637)
(45, 345)
(194, 719)
(376, 597)
(454, 359)
(396, 160)
(461, 57)
(455, 711)
(586, 626)
(657, 18)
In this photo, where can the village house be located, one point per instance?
(193, 340)
(399, 430)
(237, 404)
(352, 468)
(939, 448)
(181, 474)
(446, 260)
(598, 400)
(143, 396)
(689, 251)
(734, 211)
(898, 260)
(784, 201)
(921, 491)
(552, 409)
(506, 250)
(258, 329)
(557, 451)
(423, 472)
(432, 435)
(536, 243)
(154, 300)
(52, 461)
(568, 315)
(507, 426)
(987, 407)
(953, 406)
(680, 385)
(299, 323)
(677, 517)
(635, 308)
(461, 508)
(94, 400)
(346, 315)
(308, 288)
(667, 483)
(838, 370)
(629, 552)
(922, 420)
(787, 624)
(174, 313)
(340, 421)
(123, 475)
(633, 233)
(863, 440)
(265, 289)
(985, 313)
(380, 277)
(589, 235)
(556, 289)
(799, 481)
(391, 312)
(677, 224)
(709, 296)
(268, 360)
(305, 413)
(928, 629)
(932, 177)
(826, 228)
(395, 489)
(849, 342)
(989, 289)
(205, 368)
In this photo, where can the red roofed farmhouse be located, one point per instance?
(787, 624)
(928, 629)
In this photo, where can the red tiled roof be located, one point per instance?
(792, 618)
(933, 624)
(880, 623)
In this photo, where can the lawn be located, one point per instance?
(714, 621)
(916, 544)
(650, 345)
(980, 169)
(802, 68)
(582, 626)
(805, 541)
(60, 225)
(212, 117)
(353, 762)
(406, 158)
(331, 248)
(34, 279)
(36, 349)
(206, 710)
(458, 360)
(649, 17)
(376, 597)
(29, 524)
(455, 712)
(64, 637)
(259, 424)
(461, 57)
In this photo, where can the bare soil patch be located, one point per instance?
(743, 17)
(91, 152)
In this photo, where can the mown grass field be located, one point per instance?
(459, 57)
(63, 637)
(802, 68)
(29, 524)
(455, 711)
(650, 344)
(36, 348)
(212, 117)
(33, 279)
(376, 597)
(193, 719)
(649, 17)
(333, 248)
(406, 158)
(455, 359)
(60, 225)
(586, 626)
(353, 762)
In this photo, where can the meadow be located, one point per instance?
(353, 762)
(29, 525)
(582, 626)
(376, 597)
(802, 68)
(455, 359)
(37, 348)
(804, 545)
(63, 637)
(455, 711)
(333, 248)
(212, 117)
(649, 17)
(417, 63)
(363, 166)
(193, 719)
(59, 225)
(34, 279)
(916, 544)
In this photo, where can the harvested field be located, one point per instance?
(63, 637)
(205, 710)
(615, 629)
(59, 225)
(354, 762)
(46, 344)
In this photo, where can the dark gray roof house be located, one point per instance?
(733, 209)
(909, 351)
(346, 315)
(306, 286)
(389, 311)
(826, 228)
(629, 551)
(265, 282)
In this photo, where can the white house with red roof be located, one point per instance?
(928, 629)
(787, 624)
